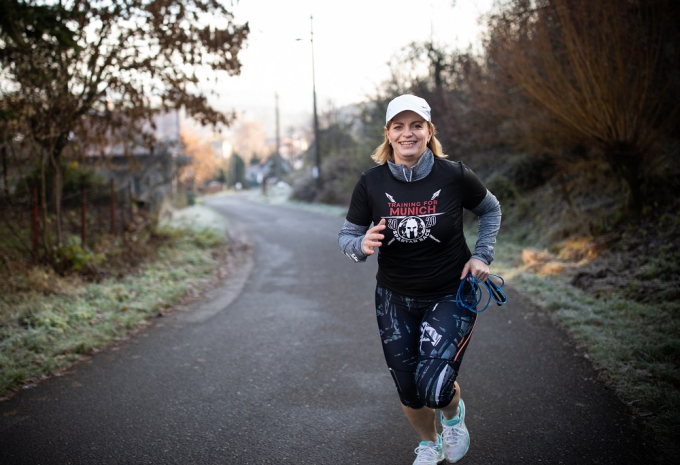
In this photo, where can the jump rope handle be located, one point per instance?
(498, 296)
(474, 297)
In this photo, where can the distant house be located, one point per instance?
(256, 172)
(151, 174)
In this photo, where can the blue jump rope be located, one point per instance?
(471, 300)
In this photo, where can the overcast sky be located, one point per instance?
(353, 42)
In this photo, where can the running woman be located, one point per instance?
(414, 200)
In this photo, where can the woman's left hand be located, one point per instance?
(478, 268)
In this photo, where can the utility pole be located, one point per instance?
(317, 158)
(277, 155)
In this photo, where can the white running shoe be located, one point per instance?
(429, 453)
(456, 438)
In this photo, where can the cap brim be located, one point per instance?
(418, 112)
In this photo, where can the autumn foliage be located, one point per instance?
(204, 164)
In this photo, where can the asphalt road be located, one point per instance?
(283, 365)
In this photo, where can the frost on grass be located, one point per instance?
(43, 331)
(634, 345)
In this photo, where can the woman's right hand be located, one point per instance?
(372, 238)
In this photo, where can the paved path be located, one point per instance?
(285, 366)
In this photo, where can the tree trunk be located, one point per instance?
(43, 201)
(57, 179)
(626, 161)
(57, 183)
(4, 170)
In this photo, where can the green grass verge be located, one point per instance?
(635, 347)
(43, 332)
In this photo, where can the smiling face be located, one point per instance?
(409, 134)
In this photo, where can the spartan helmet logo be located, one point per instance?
(411, 227)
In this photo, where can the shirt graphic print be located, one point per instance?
(412, 222)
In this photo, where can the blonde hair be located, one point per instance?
(385, 152)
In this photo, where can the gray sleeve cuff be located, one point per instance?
(350, 238)
(489, 212)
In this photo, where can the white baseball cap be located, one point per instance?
(407, 102)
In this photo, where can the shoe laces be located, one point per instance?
(426, 454)
(453, 434)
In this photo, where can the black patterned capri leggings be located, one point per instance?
(424, 340)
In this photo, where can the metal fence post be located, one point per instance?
(113, 207)
(35, 223)
(130, 195)
(83, 234)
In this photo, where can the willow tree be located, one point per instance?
(66, 64)
(601, 74)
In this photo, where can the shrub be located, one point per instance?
(502, 187)
(72, 256)
(528, 172)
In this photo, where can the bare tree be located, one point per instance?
(451, 81)
(598, 73)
